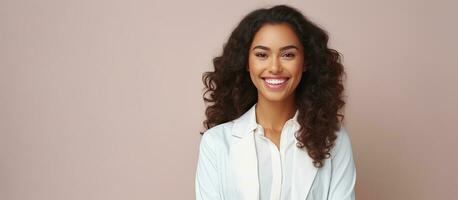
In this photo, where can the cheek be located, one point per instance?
(255, 72)
(254, 75)
(295, 68)
(255, 68)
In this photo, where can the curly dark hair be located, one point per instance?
(318, 97)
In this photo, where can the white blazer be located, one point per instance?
(227, 166)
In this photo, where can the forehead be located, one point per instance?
(276, 36)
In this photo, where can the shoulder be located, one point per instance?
(342, 143)
(217, 136)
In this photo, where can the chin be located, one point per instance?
(274, 97)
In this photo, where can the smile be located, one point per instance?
(275, 83)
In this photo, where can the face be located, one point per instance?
(275, 62)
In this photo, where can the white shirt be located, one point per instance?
(275, 163)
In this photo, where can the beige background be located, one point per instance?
(102, 99)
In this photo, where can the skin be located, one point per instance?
(275, 51)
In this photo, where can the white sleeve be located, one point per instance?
(343, 169)
(206, 180)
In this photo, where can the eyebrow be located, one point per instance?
(281, 49)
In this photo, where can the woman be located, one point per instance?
(274, 124)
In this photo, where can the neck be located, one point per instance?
(272, 115)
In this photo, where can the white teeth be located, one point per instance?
(275, 81)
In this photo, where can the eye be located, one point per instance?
(289, 55)
(261, 55)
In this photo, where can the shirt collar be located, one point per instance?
(246, 123)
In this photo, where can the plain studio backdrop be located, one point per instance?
(103, 99)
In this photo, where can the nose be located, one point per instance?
(275, 66)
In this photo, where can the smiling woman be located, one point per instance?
(274, 126)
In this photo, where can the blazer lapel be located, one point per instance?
(303, 174)
(244, 157)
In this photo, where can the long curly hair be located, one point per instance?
(318, 97)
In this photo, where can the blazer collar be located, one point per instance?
(244, 163)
